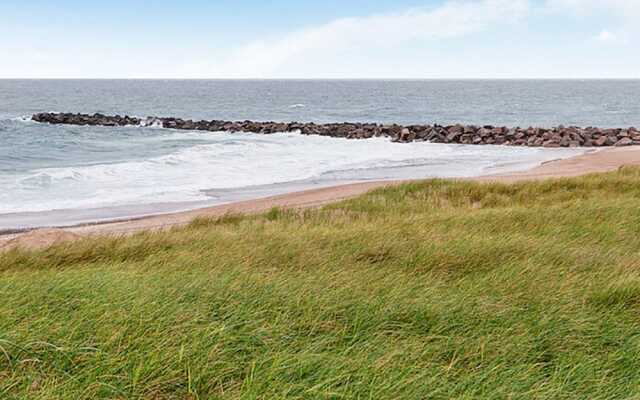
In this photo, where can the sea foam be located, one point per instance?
(234, 161)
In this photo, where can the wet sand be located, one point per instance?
(598, 161)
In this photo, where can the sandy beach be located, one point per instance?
(592, 162)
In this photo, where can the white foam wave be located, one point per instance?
(151, 122)
(22, 118)
(241, 160)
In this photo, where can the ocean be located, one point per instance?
(64, 175)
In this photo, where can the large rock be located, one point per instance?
(625, 141)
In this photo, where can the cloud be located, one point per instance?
(264, 58)
(626, 12)
(450, 39)
(606, 36)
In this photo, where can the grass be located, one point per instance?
(433, 290)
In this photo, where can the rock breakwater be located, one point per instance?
(559, 136)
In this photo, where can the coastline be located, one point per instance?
(604, 160)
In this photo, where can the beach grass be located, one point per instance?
(433, 290)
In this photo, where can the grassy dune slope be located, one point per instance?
(436, 290)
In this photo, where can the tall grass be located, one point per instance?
(433, 290)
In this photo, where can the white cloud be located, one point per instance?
(606, 36)
(626, 12)
(444, 41)
(263, 58)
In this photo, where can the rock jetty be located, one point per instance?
(559, 136)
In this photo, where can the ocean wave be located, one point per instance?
(245, 160)
(151, 122)
(23, 118)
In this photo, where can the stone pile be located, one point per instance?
(560, 136)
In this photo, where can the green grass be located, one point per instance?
(433, 290)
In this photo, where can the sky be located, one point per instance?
(332, 39)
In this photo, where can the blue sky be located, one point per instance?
(327, 39)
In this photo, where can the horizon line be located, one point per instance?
(327, 79)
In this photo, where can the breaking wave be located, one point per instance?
(233, 161)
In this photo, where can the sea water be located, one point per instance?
(55, 175)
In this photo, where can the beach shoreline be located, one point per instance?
(604, 160)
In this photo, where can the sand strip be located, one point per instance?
(597, 161)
